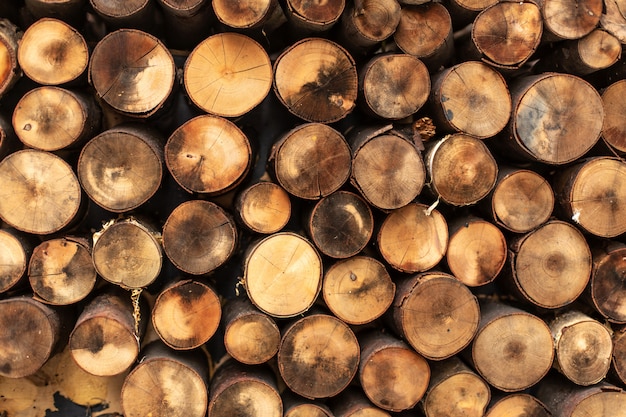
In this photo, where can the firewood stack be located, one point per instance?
(294, 208)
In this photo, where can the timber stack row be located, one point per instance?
(296, 208)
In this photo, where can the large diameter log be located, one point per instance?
(51, 52)
(614, 128)
(556, 118)
(470, 97)
(387, 168)
(435, 313)
(583, 347)
(106, 337)
(250, 336)
(186, 22)
(306, 17)
(606, 285)
(367, 23)
(316, 79)
(461, 169)
(10, 71)
(250, 14)
(318, 356)
(31, 331)
(455, 390)
(571, 19)
(15, 251)
(311, 161)
(52, 118)
(550, 266)
(127, 252)
(590, 194)
(513, 349)
(282, 274)
(393, 376)
(413, 238)
(263, 207)
(352, 402)
(199, 236)
(358, 290)
(518, 405)
(132, 71)
(186, 314)
(227, 74)
(61, 271)
(167, 383)
(41, 193)
(122, 167)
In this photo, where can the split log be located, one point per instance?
(227, 74)
(311, 169)
(250, 336)
(186, 314)
(136, 14)
(307, 18)
(613, 128)
(248, 15)
(316, 80)
(61, 271)
(41, 193)
(391, 374)
(518, 404)
(352, 402)
(435, 313)
(10, 71)
(282, 274)
(263, 207)
(295, 406)
(106, 337)
(549, 266)
(607, 291)
(318, 356)
(618, 356)
(571, 19)
(393, 86)
(186, 22)
(513, 349)
(71, 11)
(52, 52)
(196, 148)
(167, 383)
(358, 290)
(366, 24)
(50, 118)
(583, 347)
(387, 168)
(15, 251)
(454, 389)
(199, 236)
(122, 167)
(413, 238)
(132, 71)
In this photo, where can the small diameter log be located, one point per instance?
(341, 224)
(614, 126)
(461, 169)
(387, 168)
(367, 23)
(71, 11)
(550, 266)
(15, 252)
(246, 15)
(570, 19)
(470, 97)
(227, 74)
(296, 406)
(425, 31)
(306, 17)
(591, 192)
(521, 200)
(167, 383)
(208, 155)
(187, 22)
(30, 333)
(250, 336)
(61, 271)
(518, 405)
(10, 70)
(239, 390)
(606, 286)
(127, 252)
(52, 53)
(358, 290)
(413, 238)
(122, 167)
(282, 274)
(41, 195)
(50, 118)
(199, 236)
(618, 357)
(477, 251)
(263, 207)
(352, 402)
(556, 118)
(583, 347)
(455, 390)
(318, 356)
(106, 337)
(435, 313)
(132, 71)
(186, 314)
(393, 376)
(138, 14)
(311, 161)
(316, 79)
(513, 349)
(393, 86)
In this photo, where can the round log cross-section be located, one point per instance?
(366, 24)
(570, 19)
(518, 404)
(249, 14)
(614, 126)
(606, 286)
(263, 207)
(15, 251)
(306, 16)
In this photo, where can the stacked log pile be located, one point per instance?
(294, 208)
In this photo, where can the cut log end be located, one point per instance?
(264, 207)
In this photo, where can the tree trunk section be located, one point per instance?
(519, 404)
(606, 285)
(247, 15)
(614, 126)
(136, 14)
(186, 22)
(15, 253)
(10, 71)
(367, 23)
(352, 402)
(571, 19)
(310, 18)
(618, 356)
(70, 11)
(464, 12)
(263, 207)
(613, 19)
